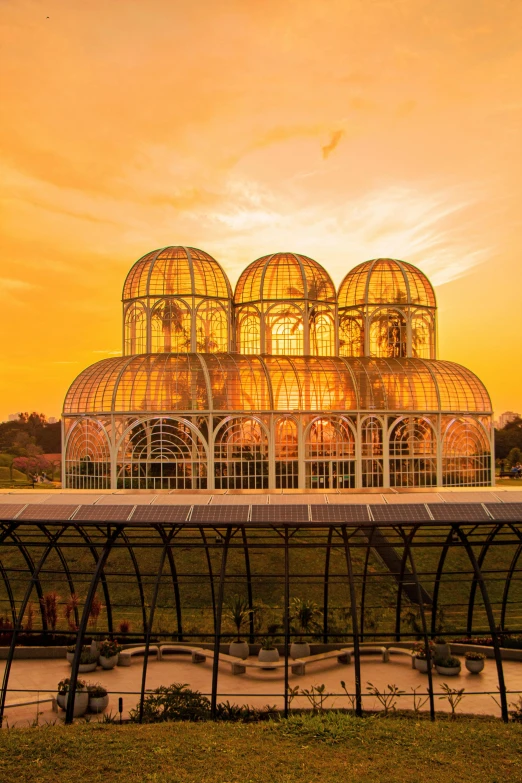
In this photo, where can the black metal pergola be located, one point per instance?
(379, 572)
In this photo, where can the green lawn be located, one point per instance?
(329, 749)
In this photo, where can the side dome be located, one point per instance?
(386, 281)
(177, 271)
(283, 277)
(387, 308)
(285, 304)
(176, 300)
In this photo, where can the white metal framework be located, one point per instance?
(324, 391)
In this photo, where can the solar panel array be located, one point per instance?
(346, 512)
(459, 512)
(505, 512)
(400, 512)
(158, 514)
(41, 512)
(103, 513)
(9, 510)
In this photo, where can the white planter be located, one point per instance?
(299, 650)
(421, 664)
(81, 702)
(474, 666)
(448, 671)
(87, 667)
(239, 650)
(69, 656)
(268, 656)
(109, 663)
(98, 703)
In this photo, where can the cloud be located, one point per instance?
(332, 144)
(110, 353)
(12, 284)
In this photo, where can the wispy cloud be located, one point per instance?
(332, 144)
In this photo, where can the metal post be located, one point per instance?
(436, 586)
(138, 577)
(286, 619)
(210, 575)
(363, 586)
(355, 630)
(249, 586)
(219, 615)
(473, 589)
(508, 585)
(326, 585)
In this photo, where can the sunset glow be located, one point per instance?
(344, 131)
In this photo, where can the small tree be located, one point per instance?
(70, 610)
(50, 608)
(514, 457)
(305, 614)
(238, 610)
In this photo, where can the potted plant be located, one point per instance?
(109, 653)
(269, 652)
(81, 697)
(88, 662)
(69, 652)
(303, 613)
(98, 697)
(449, 666)
(442, 648)
(475, 662)
(420, 657)
(238, 610)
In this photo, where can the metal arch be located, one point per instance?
(177, 597)
(249, 585)
(105, 586)
(355, 630)
(363, 588)
(102, 559)
(67, 572)
(491, 620)
(326, 584)
(38, 586)
(398, 608)
(166, 543)
(138, 577)
(12, 604)
(210, 574)
(473, 590)
(438, 577)
(219, 615)
(286, 618)
(407, 545)
(508, 585)
(21, 611)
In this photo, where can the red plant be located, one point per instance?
(124, 626)
(69, 611)
(95, 610)
(50, 608)
(29, 617)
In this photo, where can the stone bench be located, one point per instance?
(300, 664)
(403, 651)
(126, 656)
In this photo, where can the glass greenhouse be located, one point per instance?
(281, 384)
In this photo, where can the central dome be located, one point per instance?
(177, 271)
(386, 281)
(284, 277)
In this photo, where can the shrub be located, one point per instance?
(124, 626)
(96, 690)
(448, 662)
(63, 685)
(87, 657)
(110, 647)
(440, 640)
(172, 702)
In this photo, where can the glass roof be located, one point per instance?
(177, 271)
(234, 382)
(386, 281)
(284, 276)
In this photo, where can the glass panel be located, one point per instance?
(170, 327)
(135, 330)
(241, 455)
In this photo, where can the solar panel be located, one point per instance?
(103, 514)
(341, 512)
(9, 510)
(160, 514)
(458, 512)
(290, 512)
(47, 513)
(505, 512)
(220, 513)
(400, 512)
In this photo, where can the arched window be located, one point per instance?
(466, 455)
(249, 331)
(351, 335)
(87, 457)
(372, 452)
(422, 336)
(162, 453)
(284, 330)
(241, 455)
(211, 328)
(330, 454)
(170, 327)
(286, 454)
(388, 334)
(135, 329)
(413, 454)
(322, 331)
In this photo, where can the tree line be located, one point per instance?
(25, 441)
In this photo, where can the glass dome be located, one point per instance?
(285, 304)
(176, 299)
(386, 281)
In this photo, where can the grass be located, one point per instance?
(329, 748)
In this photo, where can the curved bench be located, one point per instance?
(126, 656)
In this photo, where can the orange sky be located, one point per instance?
(343, 130)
